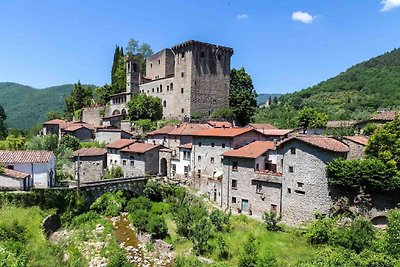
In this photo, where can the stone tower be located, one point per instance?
(132, 75)
(203, 70)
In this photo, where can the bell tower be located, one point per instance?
(132, 75)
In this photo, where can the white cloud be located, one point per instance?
(242, 16)
(389, 5)
(303, 17)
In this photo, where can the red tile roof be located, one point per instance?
(55, 121)
(25, 156)
(223, 132)
(90, 152)
(139, 148)
(323, 142)
(187, 146)
(75, 127)
(121, 143)
(252, 150)
(15, 174)
(360, 139)
(69, 124)
(164, 130)
(386, 116)
(220, 124)
(189, 129)
(261, 126)
(275, 132)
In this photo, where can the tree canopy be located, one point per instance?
(310, 118)
(142, 106)
(3, 125)
(140, 52)
(80, 97)
(242, 96)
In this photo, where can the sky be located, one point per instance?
(285, 45)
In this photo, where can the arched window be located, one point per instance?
(134, 67)
(202, 54)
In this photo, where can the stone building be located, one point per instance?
(181, 163)
(140, 159)
(39, 164)
(113, 151)
(89, 164)
(251, 183)
(82, 130)
(356, 144)
(14, 180)
(305, 190)
(106, 135)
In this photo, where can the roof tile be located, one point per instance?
(252, 150)
(323, 142)
(121, 143)
(139, 148)
(25, 156)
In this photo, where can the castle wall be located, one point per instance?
(92, 115)
(160, 65)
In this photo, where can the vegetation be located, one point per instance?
(225, 113)
(140, 52)
(352, 94)
(142, 107)
(109, 204)
(81, 96)
(310, 118)
(114, 172)
(3, 124)
(242, 96)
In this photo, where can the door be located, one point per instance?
(245, 205)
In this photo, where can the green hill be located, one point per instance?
(354, 94)
(26, 106)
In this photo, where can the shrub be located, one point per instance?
(219, 219)
(84, 218)
(201, 234)
(114, 172)
(271, 221)
(321, 230)
(140, 219)
(332, 258)
(393, 233)
(223, 249)
(157, 226)
(249, 257)
(109, 204)
(160, 208)
(187, 261)
(139, 203)
(153, 190)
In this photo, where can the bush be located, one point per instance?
(153, 190)
(84, 218)
(271, 221)
(223, 249)
(157, 226)
(321, 230)
(200, 235)
(219, 219)
(139, 203)
(114, 172)
(249, 257)
(140, 219)
(393, 233)
(109, 204)
(187, 261)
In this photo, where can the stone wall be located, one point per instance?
(92, 115)
(160, 65)
(356, 149)
(91, 168)
(305, 185)
(140, 164)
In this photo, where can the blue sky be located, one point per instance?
(284, 45)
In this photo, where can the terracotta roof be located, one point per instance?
(74, 128)
(323, 142)
(337, 124)
(187, 146)
(139, 148)
(252, 150)
(15, 174)
(90, 152)
(188, 129)
(25, 156)
(223, 132)
(360, 139)
(386, 116)
(275, 132)
(69, 124)
(55, 121)
(121, 143)
(164, 130)
(261, 126)
(220, 124)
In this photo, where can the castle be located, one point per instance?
(192, 79)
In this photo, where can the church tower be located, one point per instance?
(132, 75)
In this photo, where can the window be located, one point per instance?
(291, 169)
(115, 161)
(234, 166)
(183, 54)
(165, 104)
(160, 88)
(301, 192)
(198, 158)
(124, 162)
(289, 190)
(199, 173)
(181, 90)
(151, 65)
(293, 151)
(233, 199)
(152, 90)
(132, 163)
(174, 168)
(134, 67)
(274, 208)
(171, 86)
(110, 161)
(167, 87)
(199, 143)
(219, 57)
(258, 187)
(300, 184)
(212, 144)
(202, 54)
(234, 184)
(183, 110)
(212, 160)
(186, 155)
(182, 74)
(223, 145)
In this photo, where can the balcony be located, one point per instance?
(268, 176)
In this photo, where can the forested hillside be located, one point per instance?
(354, 94)
(26, 106)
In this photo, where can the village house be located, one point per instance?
(113, 152)
(305, 190)
(356, 144)
(38, 164)
(140, 159)
(79, 129)
(207, 149)
(379, 119)
(106, 135)
(251, 183)
(89, 164)
(271, 132)
(160, 136)
(14, 180)
(182, 163)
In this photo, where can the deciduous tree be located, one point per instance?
(144, 107)
(310, 118)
